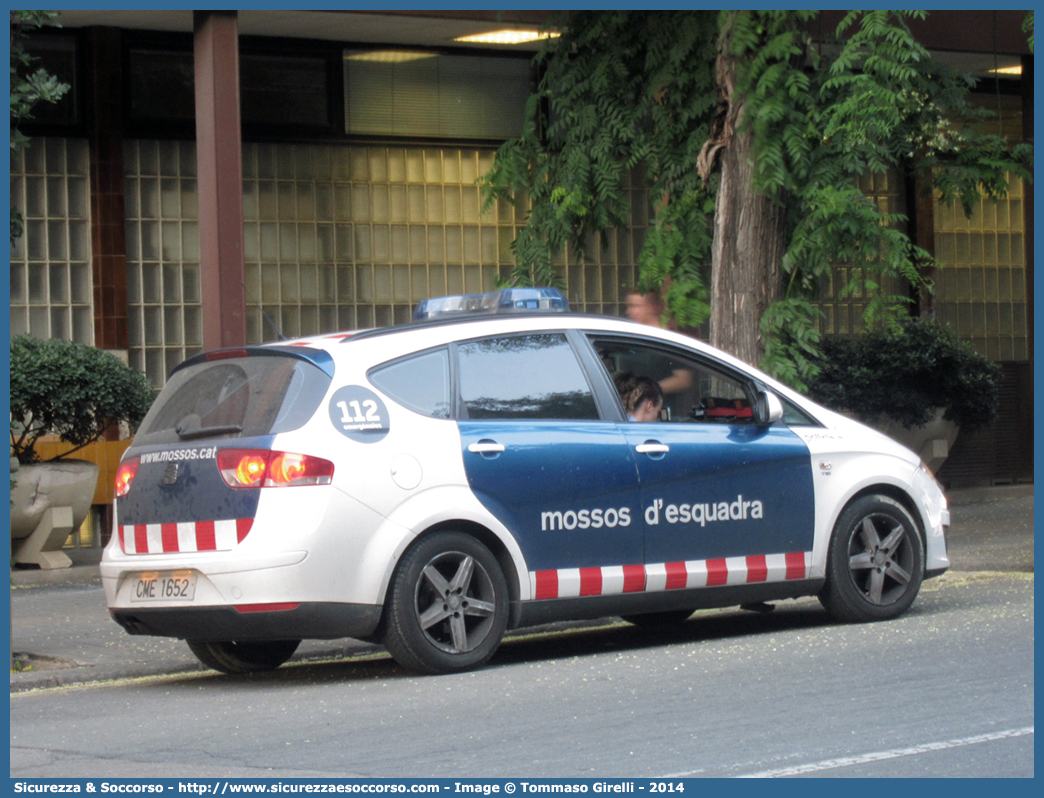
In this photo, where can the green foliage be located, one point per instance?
(906, 372)
(628, 89)
(28, 86)
(792, 338)
(619, 90)
(70, 390)
(879, 103)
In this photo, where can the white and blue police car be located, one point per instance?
(436, 484)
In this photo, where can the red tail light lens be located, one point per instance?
(125, 476)
(247, 470)
(262, 468)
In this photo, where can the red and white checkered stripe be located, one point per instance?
(612, 579)
(189, 536)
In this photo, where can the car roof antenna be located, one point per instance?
(267, 318)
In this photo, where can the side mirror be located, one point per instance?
(768, 409)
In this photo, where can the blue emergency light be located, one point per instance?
(504, 301)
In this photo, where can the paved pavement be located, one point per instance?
(61, 632)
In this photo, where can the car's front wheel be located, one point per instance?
(876, 561)
(249, 657)
(447, 605)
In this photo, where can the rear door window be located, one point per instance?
(529, 376)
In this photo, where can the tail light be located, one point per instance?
(263, 468)
(125, 476)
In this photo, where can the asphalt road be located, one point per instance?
(947, 690)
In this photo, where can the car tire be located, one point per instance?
(248, 657)
(658, 620)
(876, 562)
(447, 605)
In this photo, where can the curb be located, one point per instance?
(75, 675)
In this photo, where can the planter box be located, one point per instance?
(105, 454)
(48, 502)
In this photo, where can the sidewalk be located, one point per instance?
(61, 626)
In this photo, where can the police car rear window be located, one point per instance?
(237, 397)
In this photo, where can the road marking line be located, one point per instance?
(895, 753)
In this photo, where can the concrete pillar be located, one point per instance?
(1027, 204)
(220, 178)
(108, 217)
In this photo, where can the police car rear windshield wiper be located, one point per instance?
(203, 432)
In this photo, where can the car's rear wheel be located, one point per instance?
(876, 561)
(656, 620)
(247, 657)
(447, 605)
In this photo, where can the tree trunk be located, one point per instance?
(749, 235)
(749, 228)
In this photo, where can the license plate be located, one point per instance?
(163, 586)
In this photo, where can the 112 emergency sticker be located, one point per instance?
(360, 414)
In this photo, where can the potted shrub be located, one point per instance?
(73, 392)
(916, 382)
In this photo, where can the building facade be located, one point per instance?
(169, 208)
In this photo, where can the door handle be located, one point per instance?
(485, 447)
(652, 447)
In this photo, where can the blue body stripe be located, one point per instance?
(579, 495)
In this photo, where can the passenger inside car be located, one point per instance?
(713, 396)
(642, 397)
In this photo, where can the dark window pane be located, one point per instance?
(420, 383)
(524, 376)
(57, 56)
(162, 85)
(283, 90)
(274, 90)
(427, 94)
(1005, 108)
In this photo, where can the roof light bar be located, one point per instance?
(494, 303)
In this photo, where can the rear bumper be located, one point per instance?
(307, 620)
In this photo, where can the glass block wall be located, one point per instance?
(980, 287)
(347, 237)
(344, 237)
(163, 285)
(335, 238)
(51, 287)
(351, 237)
(843, 315)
